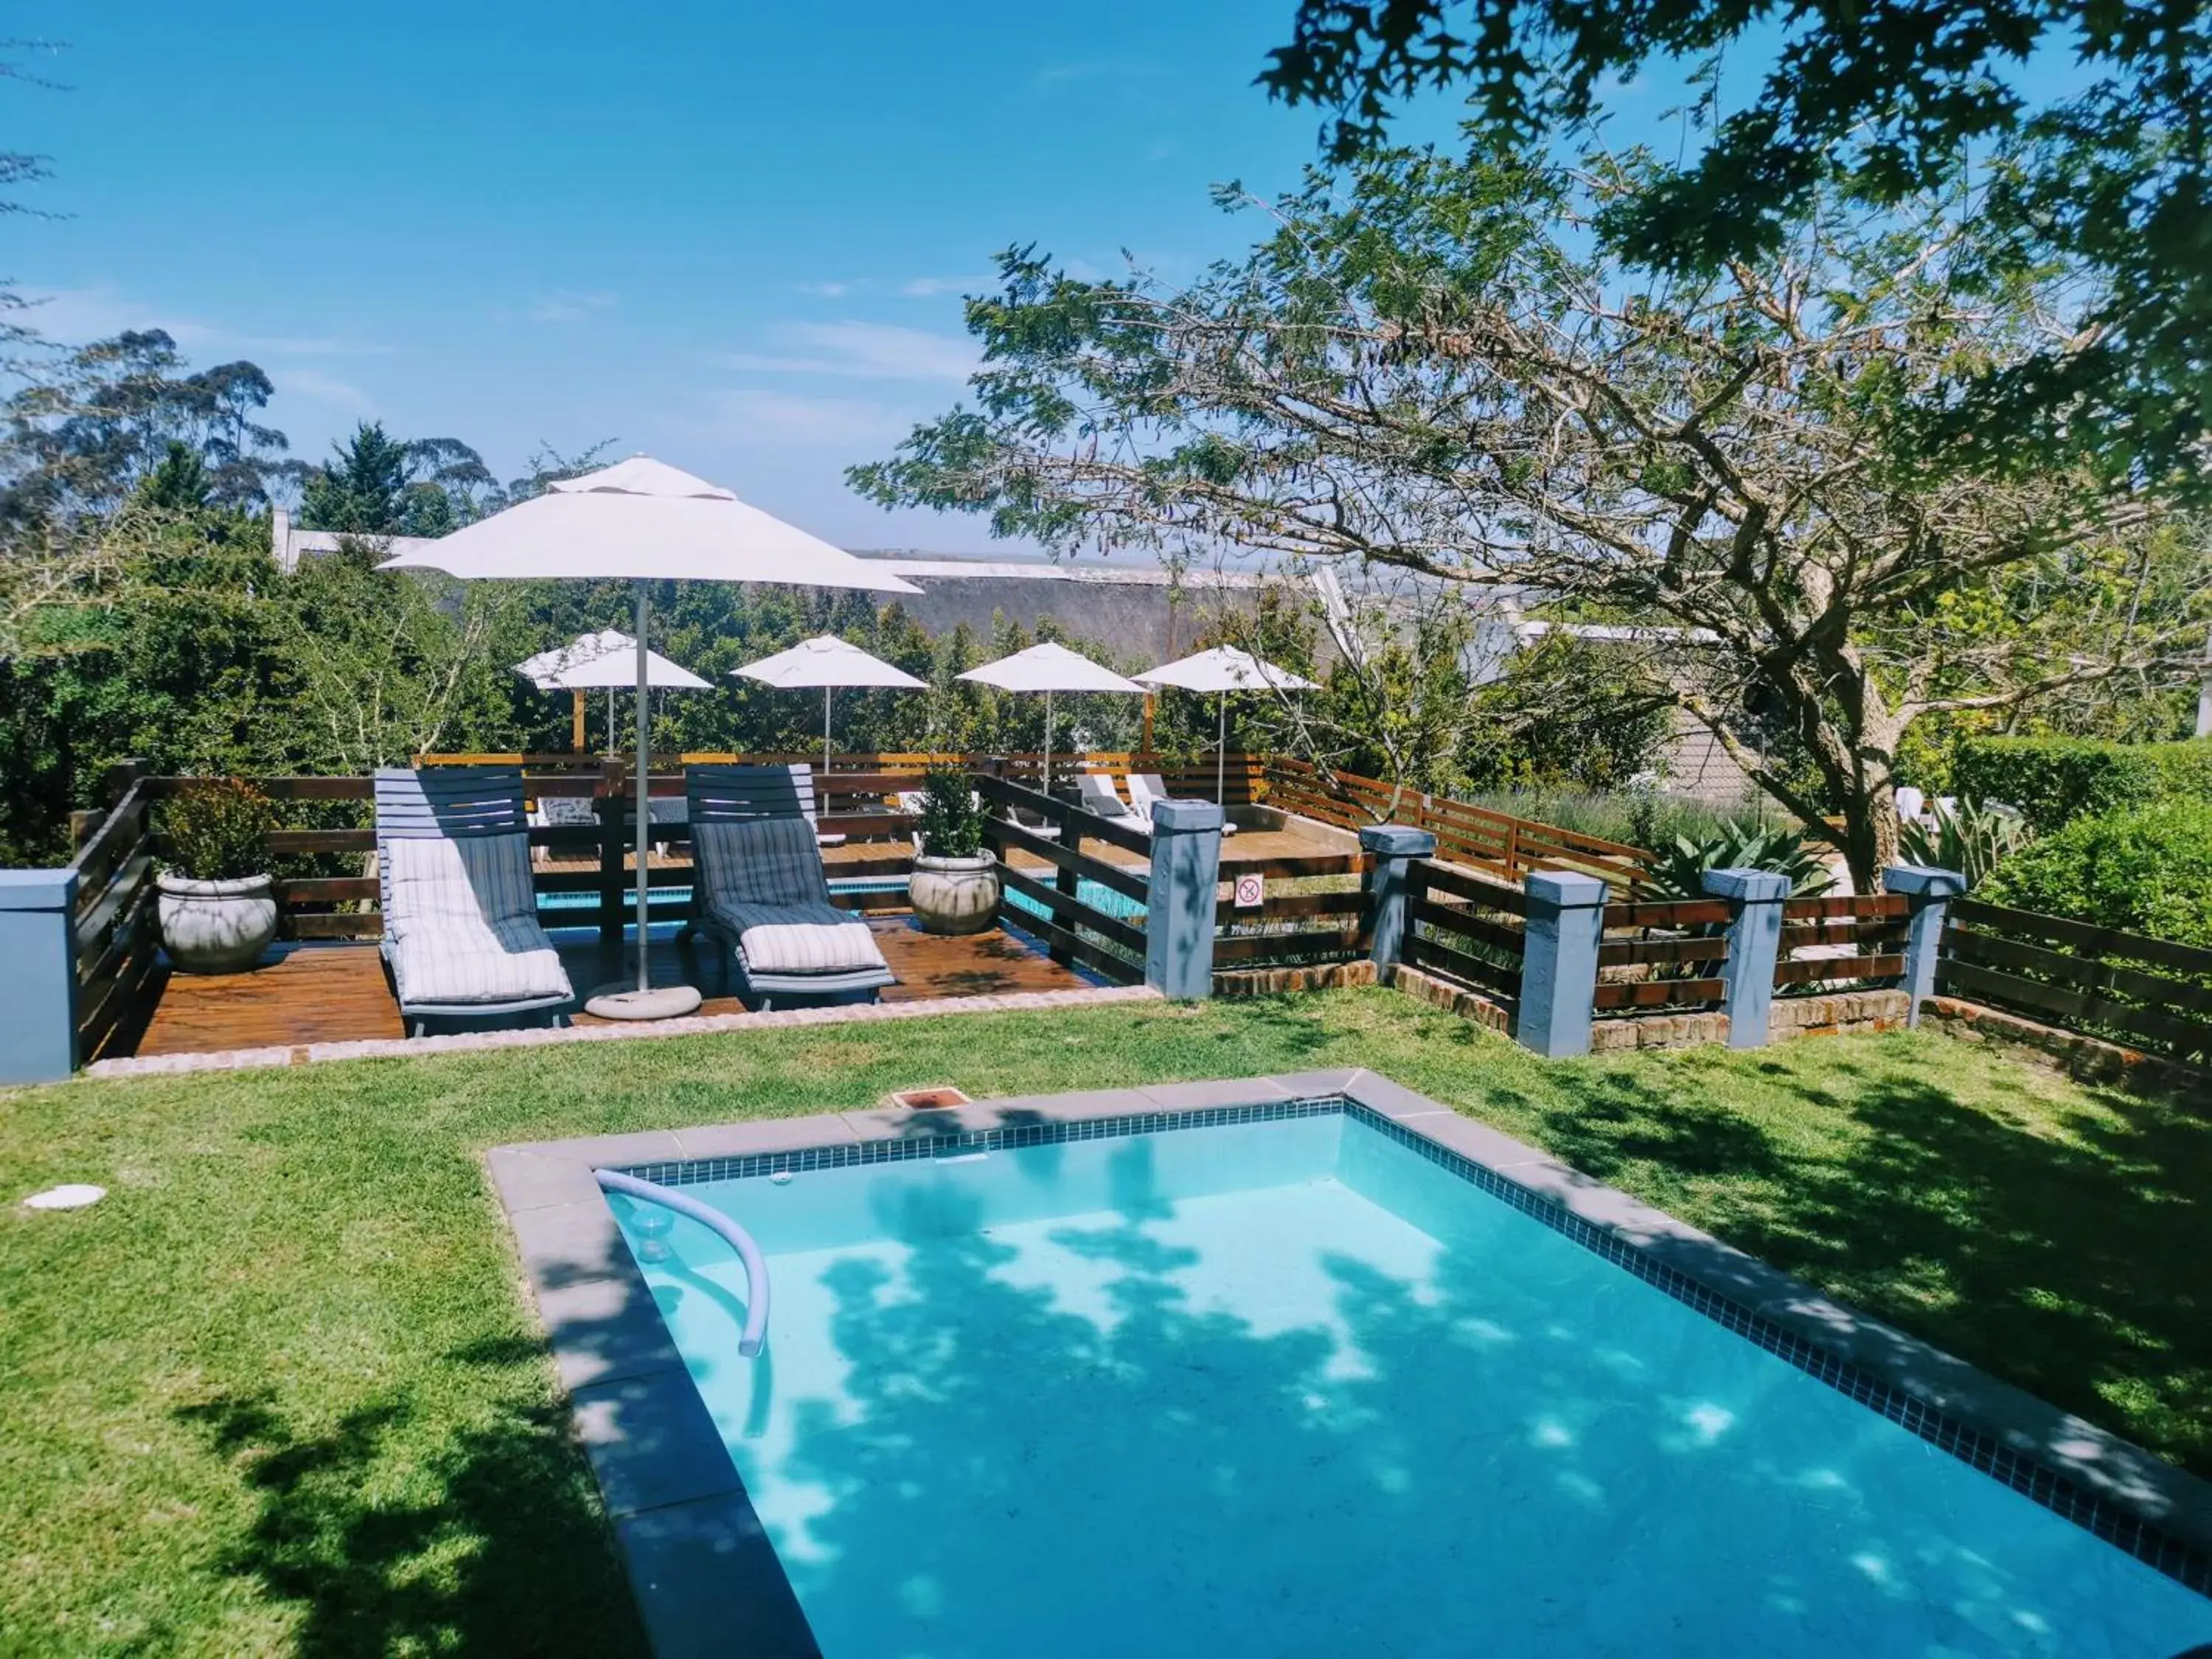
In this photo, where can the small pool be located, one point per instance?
(1096, 895)
(1290, 1386)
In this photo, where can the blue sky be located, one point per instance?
(733, 235)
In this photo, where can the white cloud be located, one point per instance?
(567, 308)
(871, 351)
(754, 412)
(75, 316)
(318, 388)
(922, 287)
(825, 290)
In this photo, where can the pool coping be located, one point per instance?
(701, 1565)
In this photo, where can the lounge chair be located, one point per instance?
(1146, 787)
(461, 937)
(751, 792)
(560, 811)
(758, 887)
(1098, 796)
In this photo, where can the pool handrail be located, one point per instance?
(652, 1192)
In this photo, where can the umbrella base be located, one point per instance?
(661, 1002)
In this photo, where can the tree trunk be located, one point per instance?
(1870, 831)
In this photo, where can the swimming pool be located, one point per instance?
(1287, 1380)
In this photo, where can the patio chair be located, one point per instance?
(758, 887)
(565, 812)
(753, 791)
(1097, 793)
(461, 936)
(1145, 788)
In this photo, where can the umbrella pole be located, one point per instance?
(643, 737)
(826, 691)
(1048, 741)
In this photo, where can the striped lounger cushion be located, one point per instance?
(764, 883)
(462, 923)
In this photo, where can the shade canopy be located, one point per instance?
(1224, 668)
(1049, 667)
(604, 661)
(641, 520)
(826, 661)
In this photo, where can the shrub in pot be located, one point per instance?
(955, 886)
(217, 900)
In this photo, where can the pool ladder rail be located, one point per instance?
(755, 1335)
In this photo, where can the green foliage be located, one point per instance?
(83, 434)
(1968, 838)
(1739, 845)
(2103, 174)
(2054, 780)
(952, 817)
(217, 830)
(1636, 818)
(2142, 870)
(376, 485)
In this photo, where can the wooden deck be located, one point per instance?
(338, 993)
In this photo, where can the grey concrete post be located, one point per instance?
(1754, 940)
(37, 975)
(1930, 891)
(1559, 966)
(1179, 902)
(1392, 847)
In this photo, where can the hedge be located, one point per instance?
(2054, 781)
(2145, 870)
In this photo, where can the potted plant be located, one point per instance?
(955, 886)
(217, 900)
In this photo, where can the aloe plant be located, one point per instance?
(1737, 845)
(1970, 837)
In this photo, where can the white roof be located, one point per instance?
(1225, 668)
(1049, 667)
(605, 660)
(641, 520)
(827, 661)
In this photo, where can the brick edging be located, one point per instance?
(2089, 1059)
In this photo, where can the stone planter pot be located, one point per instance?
(216, 926)
(955, 896)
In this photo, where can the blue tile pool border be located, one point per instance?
(679, 1551)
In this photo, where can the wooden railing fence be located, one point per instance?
(1313, 910)
(1465, 928)
(116, 933)
(1074, 926)
(1495, 844)
(2146, 993)
(1829, 942)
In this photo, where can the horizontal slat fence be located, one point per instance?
(2148, 993)
(1075, 926)
(1465, 928)
(1313, 911)
(1855, 940)
(1499, 845)
(117, 932)
(1662, 954)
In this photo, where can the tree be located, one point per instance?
(1421, 373)
(375, 484)
(1887, 102)
(89, 427)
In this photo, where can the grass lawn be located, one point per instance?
(280, 1392)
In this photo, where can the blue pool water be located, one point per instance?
(1288, 1389)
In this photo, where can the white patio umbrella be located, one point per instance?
(1221, 671)
(1049, 668)
(605, 660)
(642, 521)
(828, 662)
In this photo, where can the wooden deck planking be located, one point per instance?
(338, 993)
